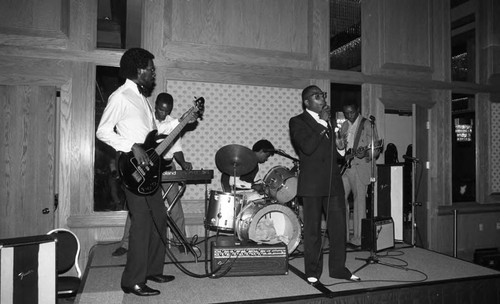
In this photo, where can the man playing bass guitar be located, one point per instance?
(126, 123)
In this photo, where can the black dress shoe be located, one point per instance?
(141, 290)
(160, 278)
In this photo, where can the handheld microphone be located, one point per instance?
(372, 118)
(413, 159)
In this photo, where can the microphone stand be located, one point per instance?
(284, 154)
(373, 258)
(413, 201)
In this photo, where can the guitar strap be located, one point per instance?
(358, 134)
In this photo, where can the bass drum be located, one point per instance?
(281, 184)
(269, 224)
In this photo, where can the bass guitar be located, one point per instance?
(144, 179)
(359, 153)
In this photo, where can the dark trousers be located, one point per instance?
(334, 210)
(146, 252)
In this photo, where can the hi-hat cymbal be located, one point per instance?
(235, 160)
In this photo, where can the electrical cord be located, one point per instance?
(170, 254)
(403, 266)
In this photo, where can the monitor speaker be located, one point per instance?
(377, 234)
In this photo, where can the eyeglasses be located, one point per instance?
(317, 95)
(151, 69)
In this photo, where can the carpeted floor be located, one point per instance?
(403, 265)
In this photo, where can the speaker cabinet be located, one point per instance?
(390, 196)
(379, 229)
(230, 258)
(488, 257)
(28, 270)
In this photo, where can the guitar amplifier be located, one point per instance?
(380, 229)
(28, 270)
(230, 258)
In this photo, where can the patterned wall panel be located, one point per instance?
(495, 147)
(234, 114)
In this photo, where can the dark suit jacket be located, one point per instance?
(319, 174)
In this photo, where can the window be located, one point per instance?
(345, 35)
(463, 148)
(119, 24)
(108, 194)
(463, 40)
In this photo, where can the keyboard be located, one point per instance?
(187, 176)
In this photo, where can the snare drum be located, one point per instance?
(281, 184)
(222, 210)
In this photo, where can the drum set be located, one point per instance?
(263, 218)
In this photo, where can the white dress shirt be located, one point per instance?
(316, 117)
(130, 113)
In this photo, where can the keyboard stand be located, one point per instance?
(171, 223)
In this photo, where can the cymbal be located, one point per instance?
(235, 160)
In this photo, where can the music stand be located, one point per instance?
(373, 258)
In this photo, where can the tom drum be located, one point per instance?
(222, 210)
(281, 184)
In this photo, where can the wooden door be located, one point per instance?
(27, 157)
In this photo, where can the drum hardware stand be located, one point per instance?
(207, 271)
(373, 258)
(295, 168)
(234, 200)
(295, 205)
(171, 223)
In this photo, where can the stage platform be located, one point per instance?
(404, 274)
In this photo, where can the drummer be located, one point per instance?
(263, 149)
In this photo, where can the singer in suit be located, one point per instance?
(320, 186)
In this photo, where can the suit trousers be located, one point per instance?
(333, 208)
(354, 183)
(146, 252)
(176, 213)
